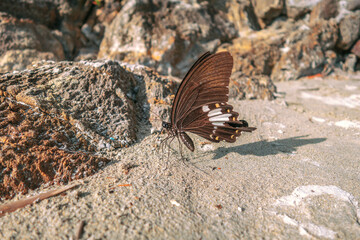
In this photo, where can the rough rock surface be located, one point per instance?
(156, 93)
(356, 49)
(256, 54)
(42, 12)
(54, 110)
(352, 5)
(349, 30)
(167, 36)
(55, 30)
(298, 8)
(242, 14)
(23, 41)
(324, 9)
(304, 52)
(96, 97)
(267, 10)
(255, 87)
(38, 148)
(349, 64)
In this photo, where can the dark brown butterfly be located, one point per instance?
(200, 105)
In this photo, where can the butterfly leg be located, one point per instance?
(164, 141)
(180, 148)
(168, 144)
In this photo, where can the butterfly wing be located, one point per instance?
(200, 105)
(206, 81)
(180, 96)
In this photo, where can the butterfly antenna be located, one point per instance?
(157, 115)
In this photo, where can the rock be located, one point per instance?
(356, 49)
(350, 63)
(267, 10)
(55, 116)
(156, 93)
(87, 53)
(304, 51)
(257, 52)
(41, 12)
(49, 13)
(38, 148)
(255, 87)
(96, 98)
(331, 60)
(349, 31)
(15, 60)
(23, 41)
(168, 36)
(108, 12)
(54, 112)
(298, 8)
(325, 9)
(242, 15)
(352, 5)
(75, 24)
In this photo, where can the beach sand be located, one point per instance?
(297, 176)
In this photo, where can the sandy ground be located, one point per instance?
(296, 176)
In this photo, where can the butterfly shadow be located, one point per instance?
(266, 148)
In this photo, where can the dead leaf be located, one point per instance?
(13, 206)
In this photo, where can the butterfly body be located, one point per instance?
(200, 105)
(173, 132)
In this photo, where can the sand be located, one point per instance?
(296, 176)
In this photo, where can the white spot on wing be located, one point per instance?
(214, 112)
(220, 118)
(218, 124)
(205, 108)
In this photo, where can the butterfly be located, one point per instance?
(200, 105)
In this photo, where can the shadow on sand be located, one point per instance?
(265, 148)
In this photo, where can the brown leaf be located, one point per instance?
(13, 206)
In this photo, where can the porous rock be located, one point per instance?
(38, 148)
(95, 97)
(156, 93)
(55, 116)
